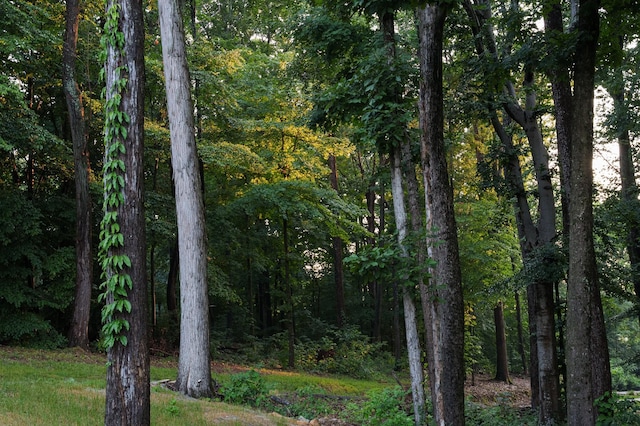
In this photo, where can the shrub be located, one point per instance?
(624, 380)
(346, 351)
(307, 403)
(615, 410)
(247, 388)
(385, 407)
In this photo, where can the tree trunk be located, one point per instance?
(588, 373)
(562, 100)
(79, 330)
(127, 392)
(502, 360)
(523, 358)
(628, 187)
(446, 364)
(387, 23)
(411, 329)
(291, 330)
(337, 255)
(544, 377)
(172, 279)
(194, 373)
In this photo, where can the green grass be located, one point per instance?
(67, 387)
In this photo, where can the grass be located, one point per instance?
(67, 387)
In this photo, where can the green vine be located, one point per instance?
(117, 281)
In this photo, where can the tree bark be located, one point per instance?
(563, 101)
(79, 330)
(502, 360)
(588, 371)
(446, 364)
(291, 330)
(387, 23)
(411, 329)
(337, 255)
(523, 358)
(128, 393)
(194, 373)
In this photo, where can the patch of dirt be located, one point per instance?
(487, 391)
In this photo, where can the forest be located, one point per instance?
(443, 189)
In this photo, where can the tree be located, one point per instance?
(403, 169)
(445, 322)
(79, 330)
(588, 373)
(409, 309)
(535, 236)
(122, 235)
(502, 362)
(337, 252)
(194, 370)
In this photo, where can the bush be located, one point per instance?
(346, 351)
(623, 380)
(307, 403)
(247, 388)
(386, 407)
(614, 410)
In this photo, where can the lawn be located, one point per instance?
(67, 387)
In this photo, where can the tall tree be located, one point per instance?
(337, 252)
(410, 322)
(79, 330)
(588, 371)
(194, 370)
(446, 317)
(402, 167)
(502, 361)
(123, 227)
(534, 236)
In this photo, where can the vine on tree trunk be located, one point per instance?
(117, 281)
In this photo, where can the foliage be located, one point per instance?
(36, 269)
(343, 351)
(307, 403)
(247, 388)
(614, 409)
(386, 407)
(117, 281)
(172, 408)
(624, 380)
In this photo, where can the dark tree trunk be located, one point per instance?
(338, 273)
(562, 100)
(502, 360)
(291, 330)
(128, 393)
(523, 358)
(628, 187)
(446, 363)
(588, 371)
(172, 279)
(79, 330)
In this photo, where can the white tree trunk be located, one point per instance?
(194, 373)
(411, 329)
